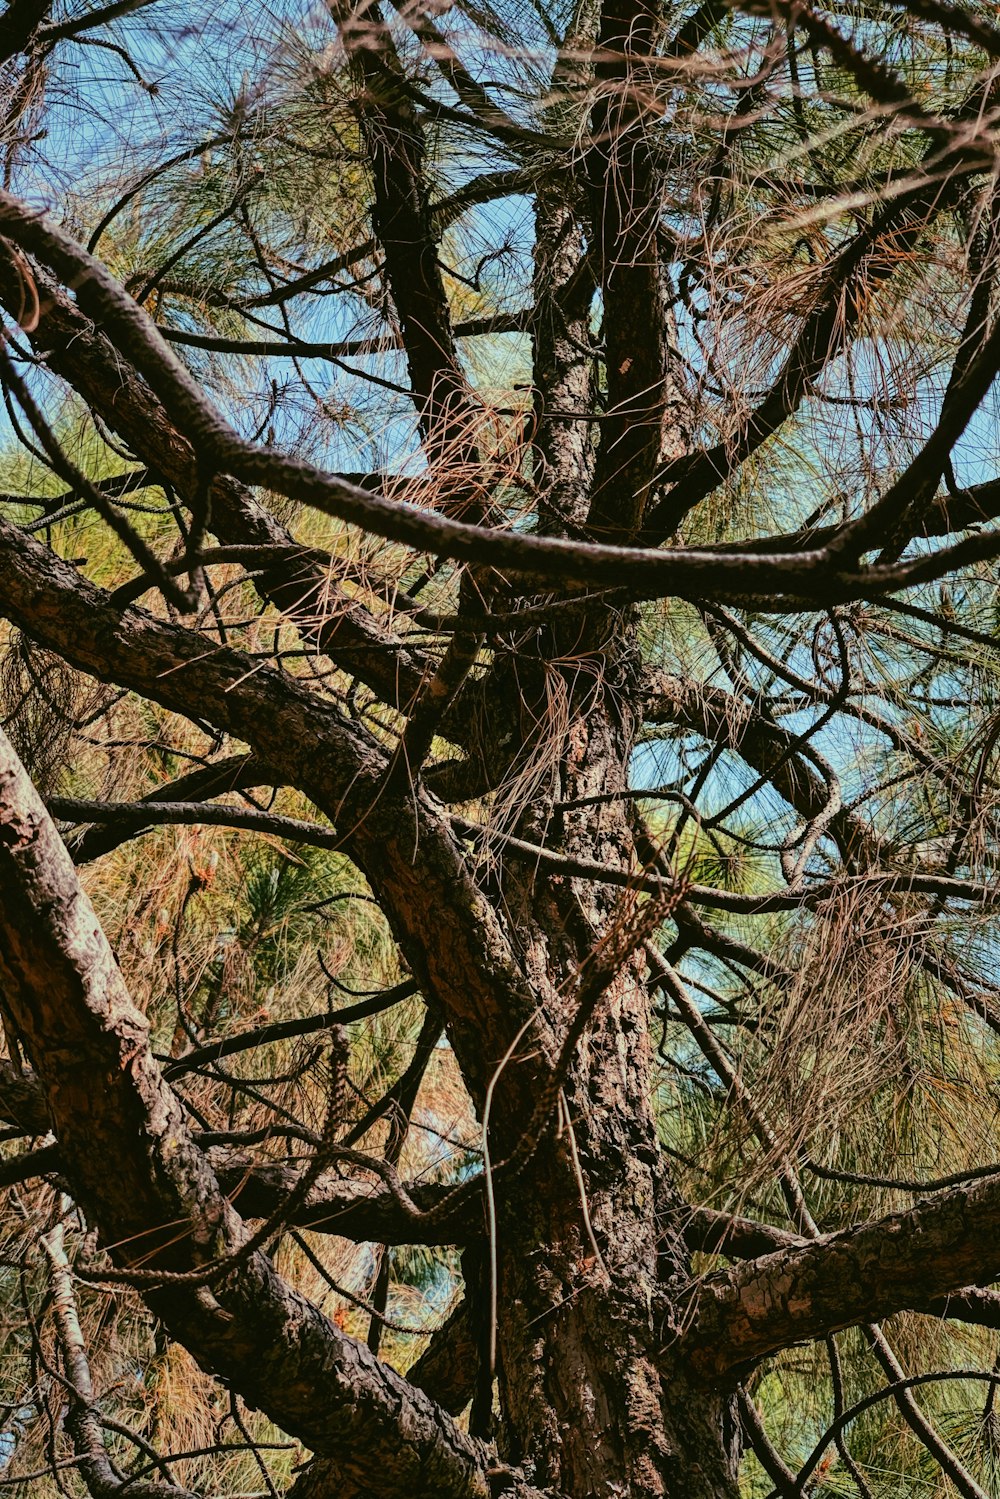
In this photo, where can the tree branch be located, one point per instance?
(900, 1262)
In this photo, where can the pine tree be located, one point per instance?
(498, 765)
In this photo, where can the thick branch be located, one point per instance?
(899, 1262)
(402, 222)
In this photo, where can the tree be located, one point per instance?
(616, 636)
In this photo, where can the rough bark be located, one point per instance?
(856, 1276)
(580, 1257)
(648, 418)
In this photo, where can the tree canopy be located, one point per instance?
(499, 749)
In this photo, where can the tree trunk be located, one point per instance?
(586, 1242)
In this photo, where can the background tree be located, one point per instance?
(498, 961)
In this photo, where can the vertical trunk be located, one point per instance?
(578, 1343)
(582, 1253)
